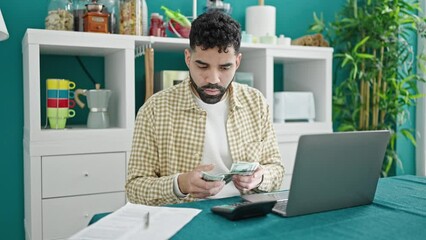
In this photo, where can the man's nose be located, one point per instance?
(213, 77)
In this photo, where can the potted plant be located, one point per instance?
(377, 80)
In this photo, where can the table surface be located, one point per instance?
(397, 212)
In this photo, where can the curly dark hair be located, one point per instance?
(215, 29)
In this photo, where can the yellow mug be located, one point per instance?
(53, 83)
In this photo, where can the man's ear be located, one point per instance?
(187, 57)
(238, 60)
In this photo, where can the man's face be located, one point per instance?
(211, 71)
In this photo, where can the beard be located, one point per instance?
(209, 99)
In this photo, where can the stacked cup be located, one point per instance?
(59, 101)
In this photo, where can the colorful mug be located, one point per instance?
(57, 123)
(58, 117)
(53, 83)
(60, 103)
(59, 93)
(60, 113)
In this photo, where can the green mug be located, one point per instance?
(58, 117)
(57, 123)
(60, 112)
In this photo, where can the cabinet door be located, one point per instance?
(71, 175)
(63, 217)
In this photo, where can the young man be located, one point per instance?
(204, 124)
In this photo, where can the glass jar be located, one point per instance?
(157, 27)
(59, 16)
(145, 18)
(111, 7)
(131, 17)
(79, 9)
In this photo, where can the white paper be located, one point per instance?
(128, 223)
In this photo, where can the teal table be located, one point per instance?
(398, 212)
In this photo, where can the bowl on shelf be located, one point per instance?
(94, 7)
(179, 30)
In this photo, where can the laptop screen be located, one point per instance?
(335, 170)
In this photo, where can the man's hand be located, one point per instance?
(246, 183)
(192, 183)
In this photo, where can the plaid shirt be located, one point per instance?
(169, 139)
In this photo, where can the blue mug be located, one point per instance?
(60, 93)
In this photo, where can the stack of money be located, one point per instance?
(244, 168)
(239, 168)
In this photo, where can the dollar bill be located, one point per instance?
(244, 168)
(211, 177)
(227, 178)
(240, 168)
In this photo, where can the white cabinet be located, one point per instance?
(82, 174)
(65, 186)
(62, 216)
(71, 174)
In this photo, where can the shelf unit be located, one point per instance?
(71, 174)
(304, 69)
(67, 173)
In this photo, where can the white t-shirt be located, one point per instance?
(216, 149)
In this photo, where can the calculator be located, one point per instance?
(241, 210)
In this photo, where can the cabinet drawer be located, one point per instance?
(70, 175)
(63, 217)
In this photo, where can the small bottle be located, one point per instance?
(131, 17)
(157, 25)
(59, 16)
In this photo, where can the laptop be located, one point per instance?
(331, 171)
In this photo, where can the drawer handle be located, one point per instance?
(86, 174)
(86, 215)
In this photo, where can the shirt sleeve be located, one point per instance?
(270, 157)
(176, 189)
(144, 184)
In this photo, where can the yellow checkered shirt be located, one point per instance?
(169, 139)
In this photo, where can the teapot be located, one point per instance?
(97, 101)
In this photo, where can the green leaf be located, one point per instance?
(346, 128)
(362, 42)
(365, 55)
(407, 134)
(177, 16)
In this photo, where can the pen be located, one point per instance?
(146, 220)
